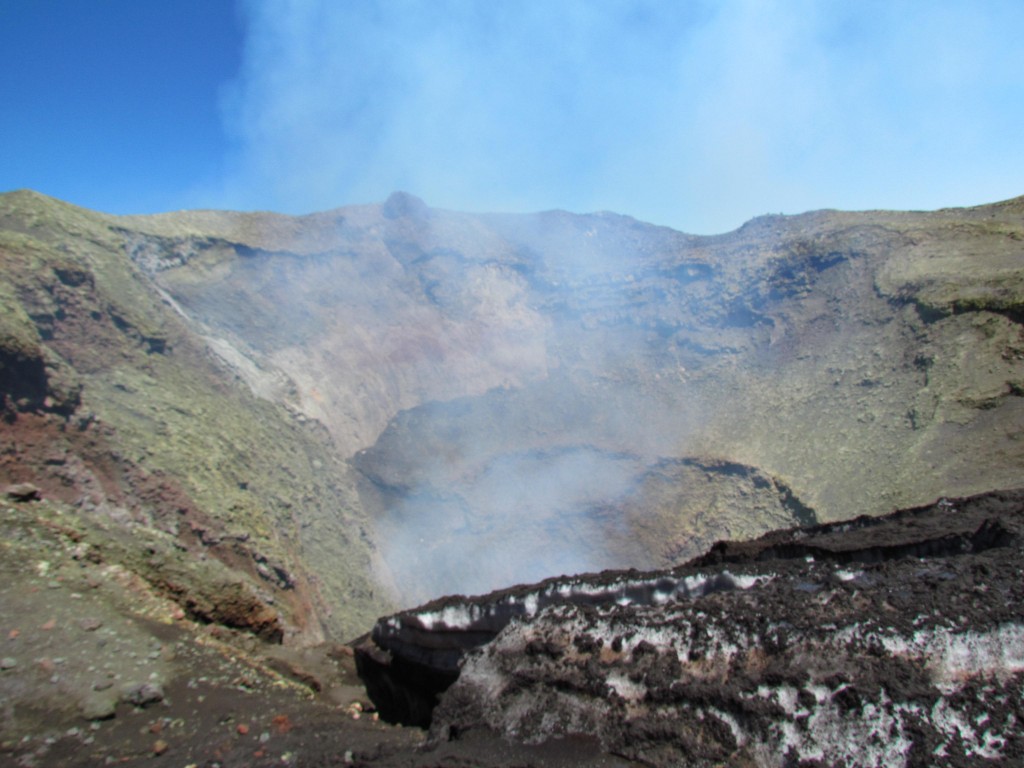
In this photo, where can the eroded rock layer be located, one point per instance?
(874, 642)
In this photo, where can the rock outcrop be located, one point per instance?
(874, 642)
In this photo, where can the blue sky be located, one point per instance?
(696, 115)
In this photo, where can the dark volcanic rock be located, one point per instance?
(878, 641)
(22, 492)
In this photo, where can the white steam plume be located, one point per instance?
(695, 115)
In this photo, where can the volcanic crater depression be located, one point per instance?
(518, 396)
(334, 416)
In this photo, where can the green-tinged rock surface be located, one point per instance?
(117, 406)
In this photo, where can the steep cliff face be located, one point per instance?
(584, 391)
(115, 407)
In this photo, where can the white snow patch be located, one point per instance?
(875, 735)
(746, 581)
(531, 604)
(626, 688)
(954, 656)
(877, 738)
(657, 591)
(450, 617)
(951, 722)
(991, 747)
(785, 696)
(954, 724)
(823, 693)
